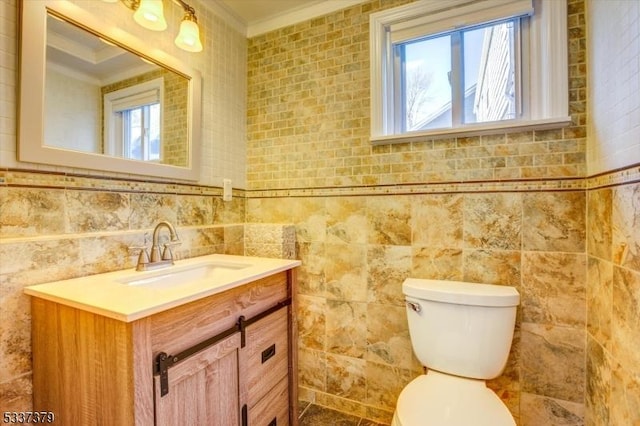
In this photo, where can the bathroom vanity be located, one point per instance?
(209, 342)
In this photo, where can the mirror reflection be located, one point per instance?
(102, 99)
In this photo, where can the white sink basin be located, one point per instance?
(130, 295)
(182, 275)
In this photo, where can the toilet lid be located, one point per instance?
(441, 400)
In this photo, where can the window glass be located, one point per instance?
(141, 132)
(457, 78)
(427, 90)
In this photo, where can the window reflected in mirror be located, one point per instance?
(103, 99)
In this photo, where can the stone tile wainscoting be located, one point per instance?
(355, 352)
(55, 227)
(613, 304)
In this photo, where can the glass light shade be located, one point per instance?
(150, 15)
(189, 36)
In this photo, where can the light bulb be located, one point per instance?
(150, 15)
(189, 36)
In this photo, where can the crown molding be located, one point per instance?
(299, 15)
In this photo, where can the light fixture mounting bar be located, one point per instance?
(131, 4)
(190, 10)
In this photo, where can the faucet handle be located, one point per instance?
(143, 256)
(167, 253)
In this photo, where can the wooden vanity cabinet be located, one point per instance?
(204, 390)
(93, 370)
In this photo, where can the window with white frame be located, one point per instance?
(460, 67)
(133, 124)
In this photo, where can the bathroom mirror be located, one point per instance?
(95, 97)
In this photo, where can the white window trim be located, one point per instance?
(113, 139)
(548, 71)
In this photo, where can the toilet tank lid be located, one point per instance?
(462, 293)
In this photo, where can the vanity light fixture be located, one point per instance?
(189, 35)
(150, 15)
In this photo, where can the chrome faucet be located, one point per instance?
(156, 260)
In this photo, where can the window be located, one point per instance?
(459, 68)
(141, 132)
(459, 77)
(133, 121)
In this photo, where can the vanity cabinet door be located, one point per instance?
(267, 377)
(273, 409)
(203, 389)
(267, 354)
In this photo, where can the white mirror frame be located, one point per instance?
(31, 148)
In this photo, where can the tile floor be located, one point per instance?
(315, 415)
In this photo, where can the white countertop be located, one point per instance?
(110, 295)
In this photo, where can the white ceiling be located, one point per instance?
(76, 52)
(260, 16)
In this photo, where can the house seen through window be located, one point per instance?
(459, 77)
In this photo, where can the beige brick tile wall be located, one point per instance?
(308, 116)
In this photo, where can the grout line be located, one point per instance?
(304, 410)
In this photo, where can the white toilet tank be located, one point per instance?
(460, 328)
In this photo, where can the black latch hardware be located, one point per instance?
(163, 361)
(245, 415)
(273, 422)
(241, 325)
(163, 369)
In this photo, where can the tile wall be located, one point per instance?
(507, 209)
(54, 227)
(60, 223)
(308, 117)
(613, 224)
(614, 62)
(613, 301)
(355, 353)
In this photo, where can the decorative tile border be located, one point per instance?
(614, 178)
(568, 184)
(39, 179)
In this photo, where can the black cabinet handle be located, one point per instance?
(273, 422)
(268, 353)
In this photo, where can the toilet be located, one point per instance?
(461, 332)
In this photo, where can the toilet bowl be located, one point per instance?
(439, 399)
(462, 333)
